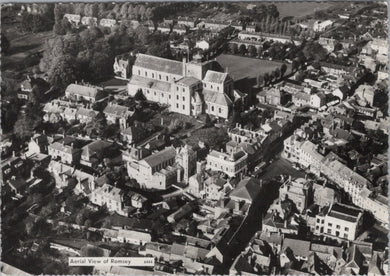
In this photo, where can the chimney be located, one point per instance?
(285, 223)
(13, 153)
(184, 66)
(162, 121)
(236, 205)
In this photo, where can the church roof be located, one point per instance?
(159, 64)
(215, 77)
(216, 98)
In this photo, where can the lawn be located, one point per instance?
(244, 67)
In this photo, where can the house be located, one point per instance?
(299, 191)
(365, 95)
(317, 100)
(273, 96)
(85, 115)
(93, 153)
(109, 196)
(74, 19)
(38, 144)
(214, 25)
(341, 92)
(214, 187)
(133, 237)
(325, 196)
(26, 87)
(137, 200)
(322, 26)
(341, 221)
(164, 28)
(84, 92)
(376, 204)
(187, 21)
(108, 23)
(241, 197)
(134, 134)
(122, 67)
(65, 150)
(89, 21)
(233, 165)
(179, 29)
(301, 99)
(117, 114)
(63, 174)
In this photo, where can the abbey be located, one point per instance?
(190, 88)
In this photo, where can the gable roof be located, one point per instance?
(161, 156)
(247, 189)
(215, 77)
(216, 98)
(159, 64)
(82, 90)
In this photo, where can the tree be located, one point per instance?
(294, 65)
(260, 80)
(5, 44)
(283, 70)
(276, 73)
(233, 48)
(63, 71)
(242, 49)
(252, 51)
(266, 78)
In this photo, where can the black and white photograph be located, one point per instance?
(194, 138)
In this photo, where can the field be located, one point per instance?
(24, 51)
(248, 68)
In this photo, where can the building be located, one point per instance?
(133, 237)
(365, 95)
(233, 165)
(134, 134)
(202, 44)
(189, 88)
(122, 67)
(156, 171)
(272, 96)
(320, 26)
(179, 29)
(117, 114)
(74, 19)
(89, 21)
(84, 92)
(341, 92)
(317, 100)
(260, 37)
(377, 205)
(301, 99)
(108, 23)
(341, 221)
(108, 196)
(214, 25)
(94, 153)
(187, 21)
(298, 191)
(65, 151)
(325, 196)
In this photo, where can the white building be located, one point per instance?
(202, 44)
(233, 165)
(110, 196)
(341, 221)
(320, 26)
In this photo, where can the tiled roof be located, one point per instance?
(117, 110)
(159, 64)
(247, 189)
(215, 77)
(188, 81)
(82, 90)
(160, 157)
(150, 83)
(216, 98)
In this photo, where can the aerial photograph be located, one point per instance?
(194, 138)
